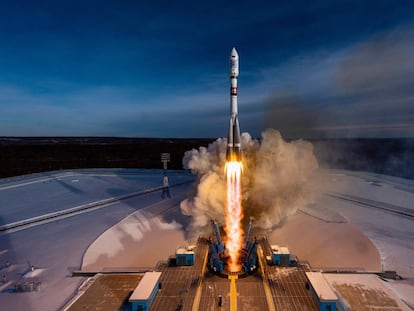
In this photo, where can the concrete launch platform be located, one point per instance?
(105, 292)
(196, 288)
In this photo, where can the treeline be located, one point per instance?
(20, 156)
(393, 157)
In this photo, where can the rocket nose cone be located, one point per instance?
(234, 53)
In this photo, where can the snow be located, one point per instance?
(34, 273)
(139, 240)
(392, 234)
(345, 235)
(331, 233)
(404, 290)
(56, 248)
(52, 192)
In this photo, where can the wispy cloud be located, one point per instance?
(132, 69)
(111, 111)
(363, 90)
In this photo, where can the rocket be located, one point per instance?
(233, 139)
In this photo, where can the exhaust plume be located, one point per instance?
(275, 181)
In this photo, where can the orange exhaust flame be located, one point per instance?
(234, 214)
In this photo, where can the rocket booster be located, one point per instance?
(233, 139)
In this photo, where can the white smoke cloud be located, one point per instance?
(275, 180)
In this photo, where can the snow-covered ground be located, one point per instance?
(360, 221)
(385, 213)
(22, 198)
(55, 248)
(141, 239)
(382, 208)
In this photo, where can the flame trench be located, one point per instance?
(234, 214)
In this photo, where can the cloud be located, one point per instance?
(382, 63)
(364, 90)
(25, 112)
(112, 111)
(275, 181)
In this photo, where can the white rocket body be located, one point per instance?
(233, 139)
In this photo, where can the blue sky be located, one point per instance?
(160, 68)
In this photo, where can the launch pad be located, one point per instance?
(226, 276)
(198, 288)
(217, 257)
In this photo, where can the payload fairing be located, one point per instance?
(233, 139)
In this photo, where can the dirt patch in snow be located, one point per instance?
(360, 298)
